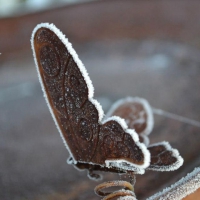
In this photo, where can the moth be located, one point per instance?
(93, 143)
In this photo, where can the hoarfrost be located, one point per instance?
(180, 189)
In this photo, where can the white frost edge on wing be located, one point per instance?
(175, 153)
(182, 188)
(99, 108)
(118, 163)
(73, 163)
(73, 53)
(125, 165)
(146, 140)
(147, 107)
(128, 166)
(119, 120)
(69, 47)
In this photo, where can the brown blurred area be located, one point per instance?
(141, 48)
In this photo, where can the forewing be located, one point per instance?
(164, 157)
(66, 92)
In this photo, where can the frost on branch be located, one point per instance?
(180, 189)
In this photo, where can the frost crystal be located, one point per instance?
(180, 189)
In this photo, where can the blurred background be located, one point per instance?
(149, 49)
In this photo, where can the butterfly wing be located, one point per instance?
(66, 93)
(164, 157)
(121, 148)
(69, 94)
(137, 114)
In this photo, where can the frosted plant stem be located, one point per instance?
(180, 189)
(176, 117)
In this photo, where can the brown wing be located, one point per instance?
(115, 144)
(164, 157)
(67, 94)
(77, 115)
(137, 114)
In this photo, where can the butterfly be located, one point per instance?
(93, 143)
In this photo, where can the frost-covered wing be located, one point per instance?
(164, 157)
(69, 94)
(137, 114)
(67, 90)
(184, 187)
(121, 146)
